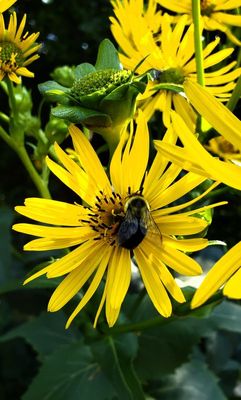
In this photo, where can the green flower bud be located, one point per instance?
(101, 97)
(63, 75)
(56, 130)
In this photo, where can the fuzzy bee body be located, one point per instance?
(134, 227)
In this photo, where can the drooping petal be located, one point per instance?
(223, 120)
(93, 286)
(218, 275)
(153, 284)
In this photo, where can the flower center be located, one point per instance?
(120, 221)
(170, 75)
(10, 57)
(207, 7)
(103, 82)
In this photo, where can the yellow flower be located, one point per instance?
(194, 157)
(5, 4)
(125, 215)
(224, 149)
(213, 13)
(170, 52)
(225, 272)
(16, 49)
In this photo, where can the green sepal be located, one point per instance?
(107, 56)
(83, 69)
(81, 115)
(53, 91)
(168, 86)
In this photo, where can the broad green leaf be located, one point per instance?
(77, 115)
(107, 56)
(227, 316)
(45, 333)
(166, 347)
(192, 381)
(70, 373)
(116, 359)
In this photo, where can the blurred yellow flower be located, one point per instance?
(224, 149)
(16, 49)
(225, 274)
(169, 51)
(5, 4)
(194, 157)
(213, 12)
(132, 213)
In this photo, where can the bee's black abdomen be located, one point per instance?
(131, 240)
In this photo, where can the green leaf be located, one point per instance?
(227, 316)
(17, 284)
(168, 86)
(166, 347)
(52, 86)
(70, 373)
(77, 114)
(44, 333)
(191, 381)
(107, 56)
(83, 69)
(116, 360)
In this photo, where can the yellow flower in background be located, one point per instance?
(194, 157)
(5, 4)
(16, 49)
(224, 149)
(170, 53)
(213, 12)
(132, 213)
(225, 274)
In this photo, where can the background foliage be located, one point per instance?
(196, 356)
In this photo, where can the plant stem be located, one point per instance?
(196, 12)
(37, 180)
(11, 97)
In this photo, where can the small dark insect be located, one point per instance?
(136, 222)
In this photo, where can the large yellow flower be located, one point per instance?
(16, 49)
(5, 4)
(213, 13)
(225, 274)
(124, 216)
(170, 52)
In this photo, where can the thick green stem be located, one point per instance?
(11, 97)
(36, 178)
(196, 13)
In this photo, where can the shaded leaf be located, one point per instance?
(70, 373)
(44, 333)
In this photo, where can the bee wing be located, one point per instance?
(151, 226)
(127, 228)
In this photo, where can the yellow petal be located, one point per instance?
(53, 211)
(232, 289)
(153, 284)
(223, 120)
(119, 276)
(5, 4)
(93, 286)
(218, 275)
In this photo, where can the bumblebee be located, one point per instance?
(135, 223)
